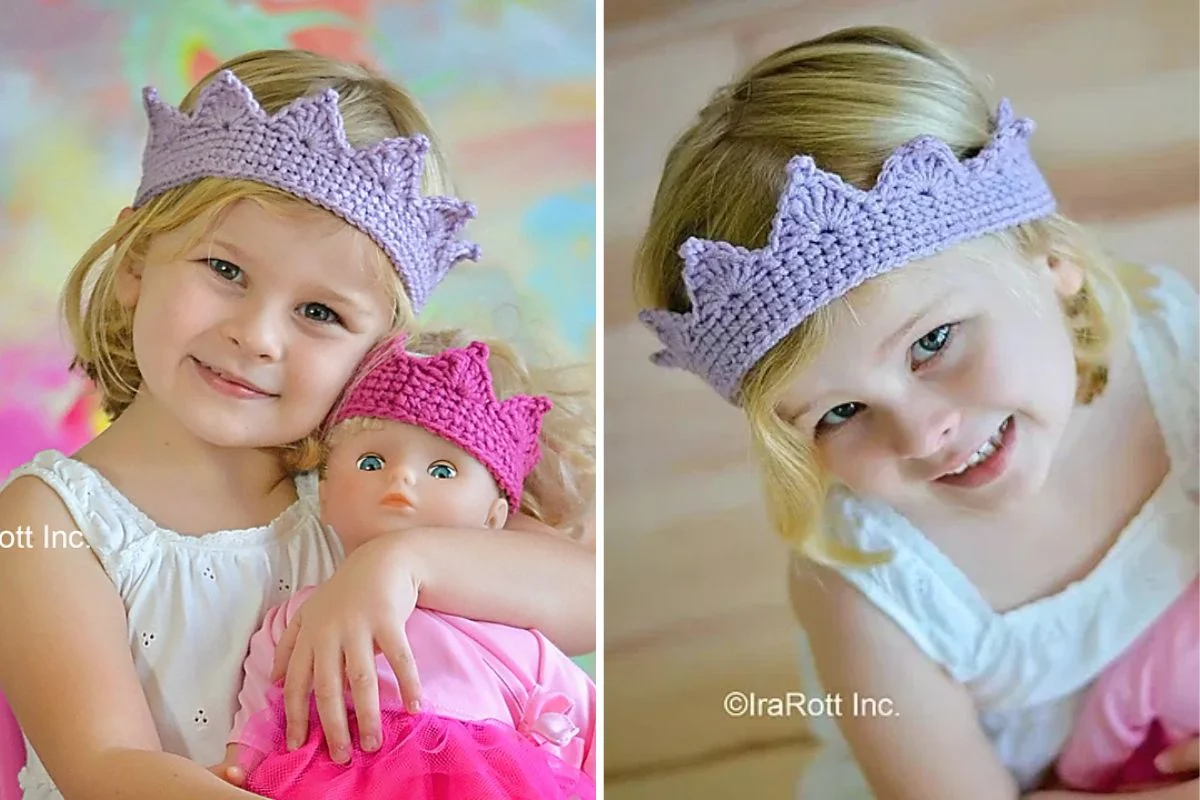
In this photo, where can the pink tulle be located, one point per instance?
(424, 757)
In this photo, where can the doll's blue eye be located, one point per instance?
(442, 470)
(370, 463)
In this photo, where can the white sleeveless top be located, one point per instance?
(192, 602)
(1028, 668)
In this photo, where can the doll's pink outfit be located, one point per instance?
(1156, 681)
(504, 716)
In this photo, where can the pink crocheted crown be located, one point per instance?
(303, 150)
(451, 396)
(829, 237)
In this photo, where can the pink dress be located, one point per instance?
(504, 714)
(1146, 701)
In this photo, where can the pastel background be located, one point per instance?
(509, 85)
(696, 600)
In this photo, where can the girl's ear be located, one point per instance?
(497, 516)
(128, 278)
(1068, 276)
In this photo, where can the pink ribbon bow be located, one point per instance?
(546, 717)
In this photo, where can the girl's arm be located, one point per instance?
(931, 747)
(67, 672)
(514, 577)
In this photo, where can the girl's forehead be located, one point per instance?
(881, 305)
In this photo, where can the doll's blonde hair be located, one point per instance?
(847, 99)
(561, 489)
(372, 108)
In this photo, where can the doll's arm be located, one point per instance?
(251, 726)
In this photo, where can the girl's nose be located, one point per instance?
(923, 431)
(255, 331)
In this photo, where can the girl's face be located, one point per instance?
(950, 380)
(402, 476)
(248, 336)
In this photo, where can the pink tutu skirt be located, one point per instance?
(424, 757)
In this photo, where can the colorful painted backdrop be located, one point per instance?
(509, 85)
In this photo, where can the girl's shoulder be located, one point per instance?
(116, 530)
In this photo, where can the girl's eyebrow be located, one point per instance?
(906, 329)
(231, 248)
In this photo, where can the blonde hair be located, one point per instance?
(372, 108)
(848, 100)
(560, 490)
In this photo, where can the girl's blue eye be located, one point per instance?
(370, 463)
(932, 343)
(318, 312)
(223, 268)
(839, 414)
(442, 470)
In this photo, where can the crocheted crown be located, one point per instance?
(451, 396)
(303, 150)
(828, 237)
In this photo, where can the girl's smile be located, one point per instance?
(987, 463)
(229, 383)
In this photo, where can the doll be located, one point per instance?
(423, 441)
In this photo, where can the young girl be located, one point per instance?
(437, 441)
(287, 220)
(983, 470)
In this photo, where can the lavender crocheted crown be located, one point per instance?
(828, 237)
(303, 150)
(451, 396)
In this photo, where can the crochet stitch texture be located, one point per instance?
(303, 150)
(829, 237)
(451, 396)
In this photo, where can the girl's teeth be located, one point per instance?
(986, 451)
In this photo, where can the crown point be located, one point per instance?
(801, 167)
(667, 358)
(1004, 113)
(479, 350)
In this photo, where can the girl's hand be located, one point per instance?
(361, 609)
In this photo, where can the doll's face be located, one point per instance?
(401, 476)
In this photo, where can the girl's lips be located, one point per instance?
(988, 471)
(229, 384)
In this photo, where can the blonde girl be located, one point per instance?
(290, 215)
(974, 428)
